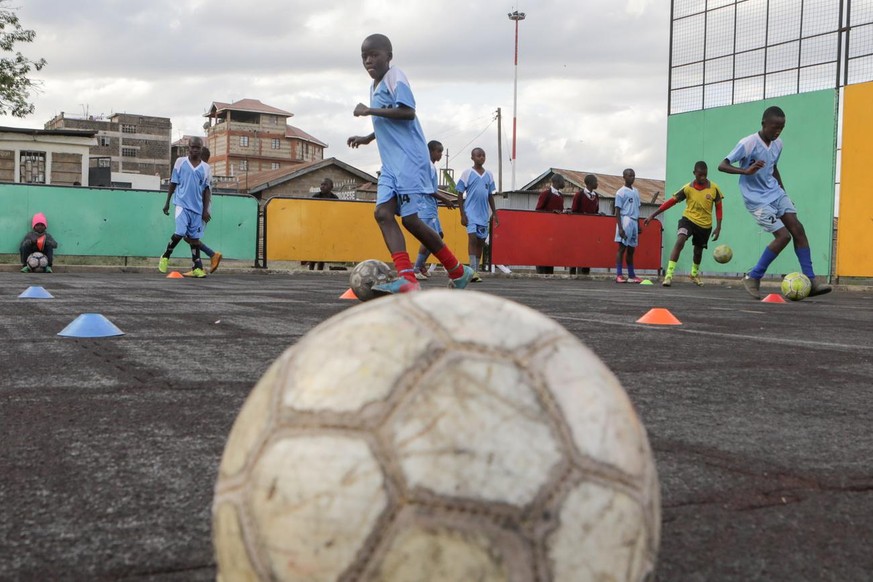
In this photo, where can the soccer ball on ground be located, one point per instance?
(722, 254)
(37, 262)
(393, 444)
(365, 275)
(796, 286)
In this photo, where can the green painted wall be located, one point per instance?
(807, 167)
(97, 221)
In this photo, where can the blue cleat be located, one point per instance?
(399, 285)
(462, 281)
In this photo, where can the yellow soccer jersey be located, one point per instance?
(699, 203)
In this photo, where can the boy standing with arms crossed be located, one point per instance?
(696, 222)
(476, 184)
(765, 198)
(405, 175)
(627, 227)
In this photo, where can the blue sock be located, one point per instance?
(206, 250)
(767, 257)
(618, 268)
(630, 272)
(804, 255)
(419, 262)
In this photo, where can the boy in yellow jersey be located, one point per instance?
(696, 222)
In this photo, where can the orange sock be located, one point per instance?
(403, 265)
(453, 267)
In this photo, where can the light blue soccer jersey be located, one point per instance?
(427, 204)
(478, 189)
(406, 164)
(761, 187)
(627, 201)
(190, 183)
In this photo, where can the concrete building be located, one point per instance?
(134, 144)
(248, 136)
(40, 156)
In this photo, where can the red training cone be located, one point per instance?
(348, 294)
(773, 298)
(175, 275)
(659, 316)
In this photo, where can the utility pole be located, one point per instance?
(499, 153)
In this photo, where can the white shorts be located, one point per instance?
(631, 232)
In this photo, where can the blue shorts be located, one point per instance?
(768, 216)
(407, 204)
(480, 230)
(189, 224)
(433, 224)
(631, 232)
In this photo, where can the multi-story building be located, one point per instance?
(249, 136)
(133, 144)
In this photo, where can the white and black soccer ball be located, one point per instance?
(37, 262)
(365, 275)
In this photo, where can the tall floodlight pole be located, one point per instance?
(515, 16)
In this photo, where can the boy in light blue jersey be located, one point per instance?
(406, 167)
(476, 184)
(428, 210)
(189, 190)
(765, 198)
(627, 227)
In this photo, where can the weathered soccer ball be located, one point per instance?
(365, 275)
(437, 437)
(796, 286)
(722, 254)
(37, 262)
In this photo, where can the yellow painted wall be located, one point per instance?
(341, 231)
(855, 232)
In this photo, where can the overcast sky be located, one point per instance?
(592, 75)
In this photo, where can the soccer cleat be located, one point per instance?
(634, 280)
(668, 280)
(399, 285)
(753, 286)
(49, 270)
(189, 273)
(421, 274)
(696, 280)
(819, 289)
(162, 264)
(621, 279)
(464, 280)
(25, 269)
(476, 278)
(198, 273)
(213, 262)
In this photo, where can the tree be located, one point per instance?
(15, 86)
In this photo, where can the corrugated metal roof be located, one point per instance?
(608, 184)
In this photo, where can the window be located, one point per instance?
(244, 166)
(32, 167)
(128, 128)
(274, 166)
(276, 143)
(243, 141)
(305, 150)
(103, 141)
(128, 152)
(271, 119)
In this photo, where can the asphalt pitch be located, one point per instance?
(759, 416)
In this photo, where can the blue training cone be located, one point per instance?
(35, 292)
(91, 325)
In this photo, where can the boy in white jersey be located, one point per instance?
(476, 186)
(406, 167)
(627, 227)
(765, 198)
(189, 190)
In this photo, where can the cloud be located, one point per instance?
(591, 77)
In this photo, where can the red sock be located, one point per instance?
(454, 268)
(403, 265)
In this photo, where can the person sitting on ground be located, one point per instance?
(38, 240)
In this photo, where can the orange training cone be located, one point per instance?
(773, 298)
(659, 316)
(175, 275)
(348, 294)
